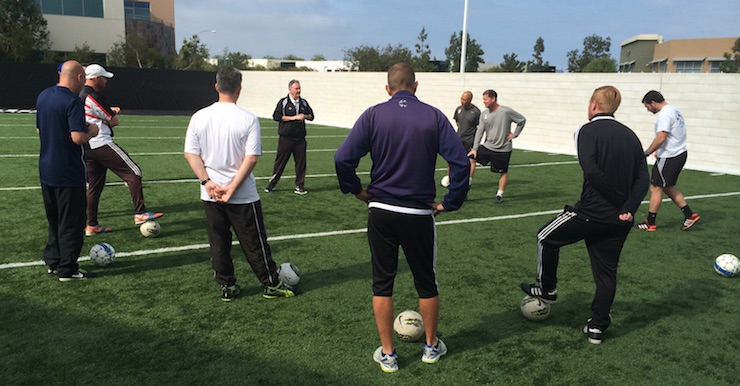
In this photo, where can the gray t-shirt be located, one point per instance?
(467, 121)
(497, 126)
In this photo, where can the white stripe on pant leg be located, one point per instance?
(434, 253)
(262, 244)
(551, 227)
(125, 158)
(660, 167)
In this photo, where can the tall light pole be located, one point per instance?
(213, 31)
(464, 39)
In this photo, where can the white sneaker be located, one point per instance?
(433, 353)
(388, 362)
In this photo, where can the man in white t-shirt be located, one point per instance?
(222, 146)
(669, 147)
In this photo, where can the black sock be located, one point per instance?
(686, 211)
(651, 218)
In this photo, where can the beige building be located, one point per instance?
(679, 55)
(102, 23)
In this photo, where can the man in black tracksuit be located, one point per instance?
(615, 180)
(291, 112)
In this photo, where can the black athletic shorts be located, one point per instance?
(499, 160)
(666, 170)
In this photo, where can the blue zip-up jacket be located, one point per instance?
(403, 137)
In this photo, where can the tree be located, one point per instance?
(234, 59)
(132, 51)
(474, 53)
(367, 58)
(292, 57)
(420, 62)
(193, 55)
(732, 60)
(594, 46)
(537, 65)
(23, 33)
(511, 64)
(601, 64)
(318, 58)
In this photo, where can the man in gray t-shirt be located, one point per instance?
(496, 122)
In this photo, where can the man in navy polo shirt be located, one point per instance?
(60, 123)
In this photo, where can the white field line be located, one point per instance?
(159, 153)
(182, 138)
(155, 182)
(337, 233)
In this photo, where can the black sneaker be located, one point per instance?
(229, 292)
(594, 335)
(300, 191)
(51, 271)
(269, 188)
(498, 200)
(78, 276)
(537, 291)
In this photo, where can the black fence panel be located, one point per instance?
(140, 89)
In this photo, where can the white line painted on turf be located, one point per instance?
(155, 182)
(337, 233)
(161, 153)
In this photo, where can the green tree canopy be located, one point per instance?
(511, 64)
(474, 53)
(367, 58)
(193, 56)
(537, 65)
(594, 46)
(420, 62)
(23, 33)
(135, 53)
(234, 59)
(732, 60)
(601, 64)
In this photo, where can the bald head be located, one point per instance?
(72, 76)
(466, 99)
(401, 77)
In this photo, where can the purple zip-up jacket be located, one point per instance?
(403, 137)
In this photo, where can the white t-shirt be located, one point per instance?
(223, 134)
(671, 121)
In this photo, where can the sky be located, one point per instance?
(307, 28)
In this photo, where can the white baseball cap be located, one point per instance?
(96, 70)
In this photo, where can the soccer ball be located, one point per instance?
(727, 265)
(534, 309)
(445, 181)
(102, 254)
(289, 273)
(409, 326)
(149, 229)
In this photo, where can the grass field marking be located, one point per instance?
(337, 233)
(160, 153)
(182, 137)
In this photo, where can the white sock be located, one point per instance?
(500, 193)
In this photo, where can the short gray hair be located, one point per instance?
(228, 79)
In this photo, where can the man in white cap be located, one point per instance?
(103, 154)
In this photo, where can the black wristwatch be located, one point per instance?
(204, 182)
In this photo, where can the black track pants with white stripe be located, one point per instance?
(604, 243)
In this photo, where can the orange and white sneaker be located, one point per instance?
(92, 230)
(689, 222)
(146, 216)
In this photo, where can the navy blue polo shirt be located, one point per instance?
(60, 112)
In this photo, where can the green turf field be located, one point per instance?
(154, 317)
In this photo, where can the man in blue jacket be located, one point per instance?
(403, 137)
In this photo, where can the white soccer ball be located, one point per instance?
(409, 326)
(727, 265)
(150, 229)
(534, 309)
(102, 254)
(289, 273)
(445, 181)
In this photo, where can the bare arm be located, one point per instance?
(199, 168)
(657, 142)
(81, 137)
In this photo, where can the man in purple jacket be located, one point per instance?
(403, 137)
